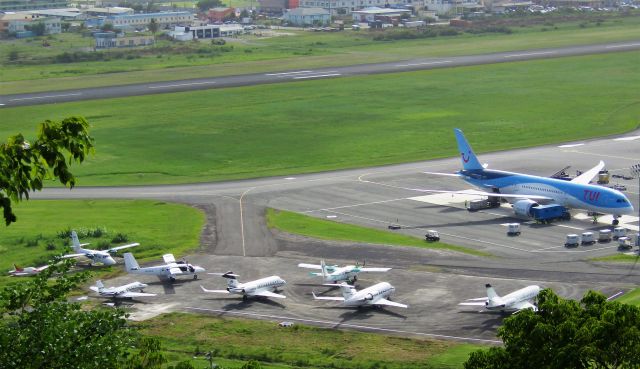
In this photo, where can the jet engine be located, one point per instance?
(523, 207)
(368, 297)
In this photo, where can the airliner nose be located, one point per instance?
(199, 269)
(108, 261)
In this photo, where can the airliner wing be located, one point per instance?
(329, 298)
(587, 176)
(135, 294)
(72, 256)
(386, 302)
(375, 269)
(213, 291)
(309, 266)
(524, 305)
(270, 294)
(478, 303)
(168, 258)
(483, 193)
(444, 174)
(114, 249)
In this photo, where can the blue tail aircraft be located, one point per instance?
(525, 191)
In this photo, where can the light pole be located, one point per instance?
(635, 171)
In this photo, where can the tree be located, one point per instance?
(24, 166)
(38, 28)
(592, 333)
(205, 5)
(39, 328)
(107, 27)
(153, 26)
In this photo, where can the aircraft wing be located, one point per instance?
(114, 249)
(477, 303)
(175, 271)
(131, 294)
(309, 266)
(375, 269)
(213, 291)
(386, 302)
(19, 274)
(330, 298)
(587, 176)
(484, 193)
(524, 305)
(270, 294)
(168, 258)
(444, 174)
(72, 256)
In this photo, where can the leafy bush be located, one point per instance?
(120, 238)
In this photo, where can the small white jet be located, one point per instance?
(96, 256)
(171, 269)
(513, 302)
(335, 274)
(376, 295)
(264, 287)
(27, 271)
(127, 291)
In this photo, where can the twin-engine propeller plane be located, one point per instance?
(513, 302)
(335, 274)
(171, 269)
(127, 291)
(26, 271)
(525, 191)
(264, 287)
(376, 295)
(96, 256)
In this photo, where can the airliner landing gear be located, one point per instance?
(615, 221)
(195, 276)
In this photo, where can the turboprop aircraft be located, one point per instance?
(376, 295)
(171, 269)
(96, 256)
(23, 272)
(265, 287)
(513, 302)
(126, 291)
(525, 191)
(335, 274)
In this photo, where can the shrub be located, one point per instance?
(120, 238)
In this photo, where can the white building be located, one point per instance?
(348, 6)
(142, 20)
(370, 14)
(205, 31)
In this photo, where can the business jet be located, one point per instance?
(513, 302)
(27, 271)
(127, 291)
(376, 295)
(171, 269)
(264, 287)
(335, 274)
(96, 256)
(525, 191)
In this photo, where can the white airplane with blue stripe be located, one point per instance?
(524, 191)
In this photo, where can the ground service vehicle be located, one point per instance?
(487, 203)
(572, 240)
(588, 238)
(619, 232)
(513, 229)
(548, 213)
(604, 235)
(432, 236)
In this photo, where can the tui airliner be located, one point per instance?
(525, 191)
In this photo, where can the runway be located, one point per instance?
(432, 282)
(139, 89)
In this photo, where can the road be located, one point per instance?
(139, 89)
(432, 282)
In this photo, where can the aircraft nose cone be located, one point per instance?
(109, 261)
(199, 269)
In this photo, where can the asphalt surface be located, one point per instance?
(432, 282)
(60, 96)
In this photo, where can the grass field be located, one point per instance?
(328, 230)
(350, 122)
(159, 227)
(236, 341)
(298, 49)
(632, 297)
(619, 258)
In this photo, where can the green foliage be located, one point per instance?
(154, 26)
(24, 166)
(186, 364)
(252, 364)
(38, 28)
(205, 5)
(120, 238)
(592, 333)
(149, 355)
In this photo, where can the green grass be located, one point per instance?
(312, 126)
(618, 258)
(159, 227)
(301, 50)
(329, 230)
(632, 297)
(301, 346)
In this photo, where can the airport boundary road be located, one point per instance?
(61, 96)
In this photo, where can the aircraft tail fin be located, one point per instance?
(492, 295)
(232, 279)
(75, 242)
(323, 267)
(17, 268)
(347, 290)
(469, 159)
(99, 285)
(130, 262)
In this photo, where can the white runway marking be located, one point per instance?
(318, 76)
(290, 178)
(44, 97)
(346, 325)
(566, 226)
(616, 46)
(183, 84)
(355, 205)
(614, 295)
(630, 138)
(288, 73)
(425, 63)
(530, 54)
(570, 145)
